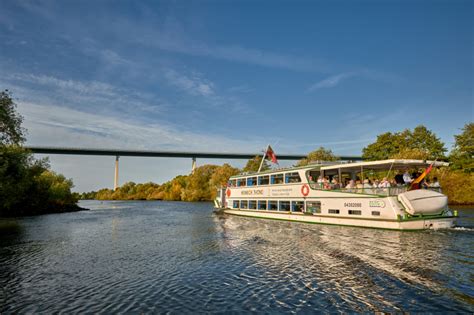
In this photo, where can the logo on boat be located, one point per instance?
(377, 203)
(252, 192)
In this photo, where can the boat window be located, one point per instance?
(355, 212)
(235, 204)
(273, 205)
(251, 181)
(297, 206)
(263, 180)
(243, 204)
(262, 205)
(292, 178)
(241, 182)
(252, 204)
(313, 175)
(333, 211)
(276, 179)
(313, 206)
(284, 206)
(375, 212)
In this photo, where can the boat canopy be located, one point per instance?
(393, 164)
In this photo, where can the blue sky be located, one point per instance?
(231, 76)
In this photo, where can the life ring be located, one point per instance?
(228, 192)
(305, 190)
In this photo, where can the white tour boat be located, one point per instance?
(296, 194)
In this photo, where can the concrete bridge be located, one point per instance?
(176, 154)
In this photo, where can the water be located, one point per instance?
(148, 257)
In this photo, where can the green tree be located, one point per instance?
(11, 131)
(254, 163)
(320, 154)
(462, 156)
(420, 142)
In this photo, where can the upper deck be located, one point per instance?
(338, 175)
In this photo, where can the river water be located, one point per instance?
(149, 257)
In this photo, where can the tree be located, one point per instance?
(462, 156)
(11, 131)
(320, 154)
(221, 175)
(254, 163)
(420, 143)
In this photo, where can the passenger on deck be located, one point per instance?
(399, 178)
(320, 182)
(367, 184)
(435, 183)
(335, 184)
(351, 184)
(384, 183)
(407, 178)
(326, 184)
(376, 183)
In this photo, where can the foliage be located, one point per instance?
(11, 131)
(320, 154)
(27, 186)
(457, 185)
(254, 163)
(462, 156)
(419, 142)
(199, 186)
(413, 154)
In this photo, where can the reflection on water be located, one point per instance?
(180, 257)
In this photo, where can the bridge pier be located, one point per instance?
(116, 172)
(193, 167)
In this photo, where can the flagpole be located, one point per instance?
(263, 158)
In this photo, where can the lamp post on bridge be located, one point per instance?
(116, 172)
(193, 168)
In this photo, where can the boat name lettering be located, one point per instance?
(252, 192)
(377, 203)
(353, 204)
(281, 192)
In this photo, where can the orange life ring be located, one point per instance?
(228, 192)
(305, 190)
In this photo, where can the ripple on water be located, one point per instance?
(123, 257)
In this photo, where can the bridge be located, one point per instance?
(175, 154)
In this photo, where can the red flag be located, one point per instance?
(270, 154)
(416, 183)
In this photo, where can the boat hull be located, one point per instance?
(411, 224)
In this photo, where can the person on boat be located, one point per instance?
(326, 184)
(351, 185)
(320, 182)
(399, 178)
(407, 178)
(335, 184)
(384, 183)
(435, 183)
(376, 183)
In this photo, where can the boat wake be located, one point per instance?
(463, 228)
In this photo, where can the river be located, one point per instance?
(153, 256)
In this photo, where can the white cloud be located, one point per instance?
(194, 85)
(331, 81)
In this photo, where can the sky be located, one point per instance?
(231, 76)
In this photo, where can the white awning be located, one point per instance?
(384, 165)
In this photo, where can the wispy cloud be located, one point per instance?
(88, 95)
(194, 84)
(331, 81)
(58, 126)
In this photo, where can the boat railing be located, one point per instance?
(385, 191)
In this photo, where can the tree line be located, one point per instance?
(419, 143)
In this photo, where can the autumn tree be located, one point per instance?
(221, 175)
(420, 143)
(320, 154)
(254, 163)
(462, 156)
